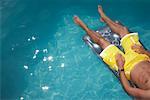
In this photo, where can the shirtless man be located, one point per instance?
(133, 65)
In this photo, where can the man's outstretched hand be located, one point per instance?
(120, 61)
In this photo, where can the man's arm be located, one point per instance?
(138, 93)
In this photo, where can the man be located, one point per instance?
(134, 65)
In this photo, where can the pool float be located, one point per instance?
(110, 36)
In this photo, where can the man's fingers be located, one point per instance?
(136, 46)
(117, 56)
(120, 60)
(133, 47)
(123, 58)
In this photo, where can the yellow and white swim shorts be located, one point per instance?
(131, 57)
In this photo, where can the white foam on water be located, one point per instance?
(33, 38)
(29, 39)
(62, 56)
(26, 67)
(45, 88)
(31, 74)
(62, 65)
(37, 51)
(50, 58)
(34, 56)
(44, 59)
(45, 51)
(21, 98)
(12, 49)
(49, 68)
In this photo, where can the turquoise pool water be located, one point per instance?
(43, 56)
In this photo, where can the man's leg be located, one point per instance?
(115, 27)
(97, 38)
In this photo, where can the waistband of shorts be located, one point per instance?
(136, 33)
